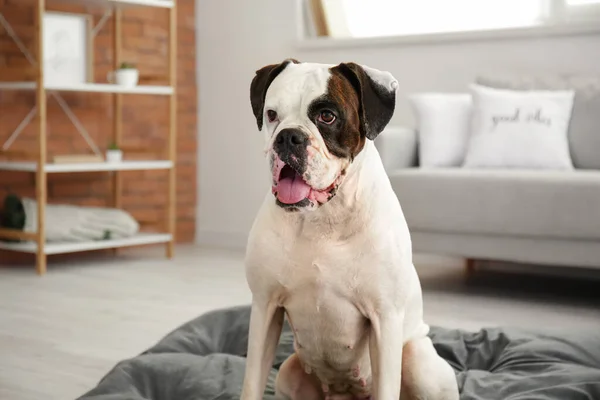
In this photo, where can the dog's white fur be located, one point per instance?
(342, 273)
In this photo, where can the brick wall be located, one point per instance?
(145, 118)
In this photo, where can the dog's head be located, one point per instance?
(316, 119)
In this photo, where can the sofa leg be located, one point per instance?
(470, 267)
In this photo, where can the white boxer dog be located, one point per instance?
(330, 248)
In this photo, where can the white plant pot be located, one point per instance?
(114, 156)
(128, 77)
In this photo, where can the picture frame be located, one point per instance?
(68, 48)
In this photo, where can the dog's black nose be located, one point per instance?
(289, 139)
(291, 146)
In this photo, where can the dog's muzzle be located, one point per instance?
(291, 146)
(291, 154)
(291, 179)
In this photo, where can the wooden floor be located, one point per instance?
(59, 334)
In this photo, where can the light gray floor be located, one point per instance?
(59, 334)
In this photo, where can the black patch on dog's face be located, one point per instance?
(377, 103)
(342, 137)
(260, 83)
(361, 106)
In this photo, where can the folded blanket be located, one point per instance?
(68, 223)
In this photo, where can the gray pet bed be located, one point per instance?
(204, 359)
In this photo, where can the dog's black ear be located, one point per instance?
(377, 94)
(260, 83)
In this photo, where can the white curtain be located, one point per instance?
(368, 18)
(582, 2)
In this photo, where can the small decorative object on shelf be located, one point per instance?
(127, 75)
(68, 48)
(12, 215)
(114, 154)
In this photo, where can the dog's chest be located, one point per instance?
(321, 297)
(323, 277)
(321, 293)
(314, 286)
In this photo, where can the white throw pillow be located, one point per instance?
(443, 127)
(520, 129)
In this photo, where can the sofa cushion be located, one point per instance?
(584, 129)
(502, 202)
(443, 120)
(397, 147)
(517, 129)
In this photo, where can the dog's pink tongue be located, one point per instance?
(292, 190)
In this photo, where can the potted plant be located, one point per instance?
(126, 65)
(127, 75)
(114, 154)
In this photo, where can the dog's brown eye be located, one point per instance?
(327, 117)
(272, 115)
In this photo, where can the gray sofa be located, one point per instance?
(523, 216)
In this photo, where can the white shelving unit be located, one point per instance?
(74, 247)
(125, 3)
(87, 167)
(90, 88)
(35, 243)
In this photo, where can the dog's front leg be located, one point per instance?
(385, 348)
(266, 322)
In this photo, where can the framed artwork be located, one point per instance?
(68, 48)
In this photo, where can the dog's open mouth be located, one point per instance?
(290, 188)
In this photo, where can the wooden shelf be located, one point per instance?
(124, 3)
(91, 88)
(87, 167)
(74, 247)
(34, 82)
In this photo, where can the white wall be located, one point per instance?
(236, 37)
